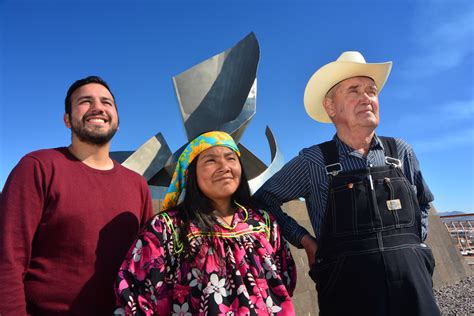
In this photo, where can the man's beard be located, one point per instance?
(91, 137)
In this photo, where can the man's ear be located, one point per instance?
(329, 107)
(67, 120)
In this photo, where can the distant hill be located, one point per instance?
(450, 213)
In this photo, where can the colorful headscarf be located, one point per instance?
(194, 148)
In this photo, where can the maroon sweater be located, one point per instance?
(64, 230)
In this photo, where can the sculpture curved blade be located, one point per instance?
(148, 159)
(276, 164)
(215, 92)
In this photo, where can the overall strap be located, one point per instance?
(331, 157)
(390, 146)
(391, 152)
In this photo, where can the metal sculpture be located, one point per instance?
(217, 94)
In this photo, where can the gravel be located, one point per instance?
(457, 299)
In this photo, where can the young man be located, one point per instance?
(366, 199)
(68, 215)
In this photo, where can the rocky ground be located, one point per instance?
(457, 299)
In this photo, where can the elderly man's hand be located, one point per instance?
(311, 246)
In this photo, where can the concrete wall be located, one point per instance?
(450, 265)
(305, 298)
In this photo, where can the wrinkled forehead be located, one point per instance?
(352, 81)
(358, 80)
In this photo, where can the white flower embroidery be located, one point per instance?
(137, 251)
(271, 269)
(119, 312)
(150, 288)
(242, 290)
(181, 310)
(196, 278)
(216, 286)
(271, 308)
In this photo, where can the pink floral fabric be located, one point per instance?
(248, 271)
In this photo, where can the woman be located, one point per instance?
(213, 253)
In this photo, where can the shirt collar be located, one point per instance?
(345, 150)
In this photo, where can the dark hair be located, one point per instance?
(197, 208)
(82, 82)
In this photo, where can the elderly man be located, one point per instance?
(366, 199)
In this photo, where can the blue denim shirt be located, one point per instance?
(305, 177)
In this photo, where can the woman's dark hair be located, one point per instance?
(197, 208)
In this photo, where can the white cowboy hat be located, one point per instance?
(349, 64)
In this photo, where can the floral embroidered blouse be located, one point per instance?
(249, 269)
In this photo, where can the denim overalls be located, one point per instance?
(371, 260)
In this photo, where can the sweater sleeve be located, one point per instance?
(147, 211)
(21, 208)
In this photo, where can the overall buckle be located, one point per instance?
(397, 163)
(333, 169)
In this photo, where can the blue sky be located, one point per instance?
(137, 46)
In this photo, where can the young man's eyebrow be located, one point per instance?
(84, 97)
(88, 97)
(107, 99)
